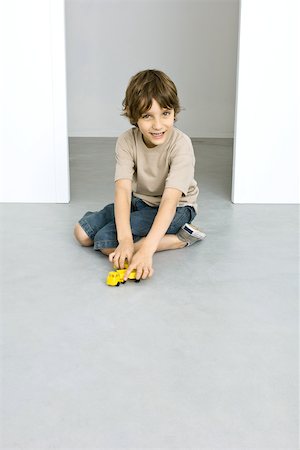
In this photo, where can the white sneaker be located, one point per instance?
(190, 234)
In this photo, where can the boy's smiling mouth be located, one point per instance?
(158, 134)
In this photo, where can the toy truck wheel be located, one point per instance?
(137, 281)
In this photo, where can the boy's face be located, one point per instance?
(156, 124)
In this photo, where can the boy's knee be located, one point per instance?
(82, 237)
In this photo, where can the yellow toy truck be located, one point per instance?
(116, 277)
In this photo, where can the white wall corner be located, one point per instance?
(59, 95)
(266, 144)
(34, 145)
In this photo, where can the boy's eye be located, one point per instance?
(148, 116)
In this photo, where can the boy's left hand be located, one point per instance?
(142, 262)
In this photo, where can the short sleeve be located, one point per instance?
(125, 165)
(182, 166)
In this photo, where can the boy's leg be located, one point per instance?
(107, 251)
(142, 221)
(88, 226)
(99, 228)
(186, 236)
(168, 242)
(82, 237)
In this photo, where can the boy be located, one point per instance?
(155, 190)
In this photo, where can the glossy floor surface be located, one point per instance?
(202, 356)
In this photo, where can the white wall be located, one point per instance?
(266, 154)
(194, 42)
(34, 147)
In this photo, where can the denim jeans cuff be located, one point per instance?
(105, 244)
(87, 228)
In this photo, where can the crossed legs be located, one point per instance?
(168, 242)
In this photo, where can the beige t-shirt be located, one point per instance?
(151, 170)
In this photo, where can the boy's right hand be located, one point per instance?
(123, 252)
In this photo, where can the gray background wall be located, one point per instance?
(194, 42)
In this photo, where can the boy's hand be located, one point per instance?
(142, 262)
(122, 252)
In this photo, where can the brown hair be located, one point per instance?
(142, 88)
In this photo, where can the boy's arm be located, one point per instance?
(122, 218)
(142, 260)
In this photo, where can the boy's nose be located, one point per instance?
(156, 124)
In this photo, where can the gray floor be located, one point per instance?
(202, 356)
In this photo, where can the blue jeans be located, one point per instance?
(101, 228)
